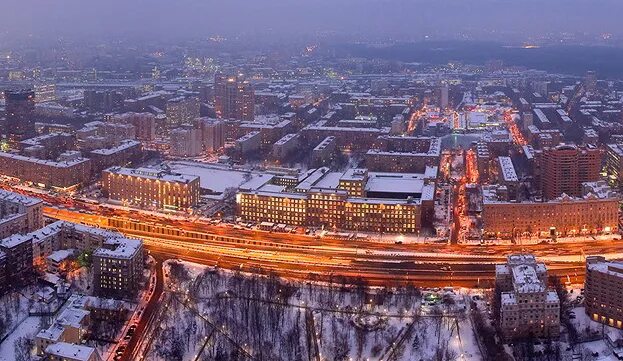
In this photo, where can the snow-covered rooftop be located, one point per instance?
(70, 351)
(119, 248)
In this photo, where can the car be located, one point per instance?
(132, 329)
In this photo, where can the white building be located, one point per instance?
(527, 307)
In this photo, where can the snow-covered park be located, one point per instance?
(219, 315)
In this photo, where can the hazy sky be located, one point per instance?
(198, 18)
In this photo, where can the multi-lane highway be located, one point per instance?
(308, 257)
(338, 260)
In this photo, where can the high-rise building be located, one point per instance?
(185, 142)
(20, 109)
(590, 81)
(118, 267)
(443, 96)
(234, 97)
(144, 124)
(182, 111)
(18, 252)
(566, 167)
(614, 164)
(212, 134)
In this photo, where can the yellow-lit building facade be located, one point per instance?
(151, 188)
(332, 210)
(562, 217)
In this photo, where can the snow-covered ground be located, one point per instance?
(28, 328)
(212, 312)
(13, 310)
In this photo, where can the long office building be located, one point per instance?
(48, 173)
(595, 212)
(355, 200)
(355, 139)
(404, 154)
(151, 188)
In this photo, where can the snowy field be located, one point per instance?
(214, 314)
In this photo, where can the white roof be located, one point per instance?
(123, 146)
(14, 240)
(61, 255)
(119, 248)
(508, 170)
(70, 351)
(149, 173)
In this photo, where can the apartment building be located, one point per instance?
(602, 291)
(528, 308)
(118, 267)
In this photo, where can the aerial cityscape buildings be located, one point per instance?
(354, 192)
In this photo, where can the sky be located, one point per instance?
(374, 18)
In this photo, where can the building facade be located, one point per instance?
(596, 212)
(118, 268)
(234, 97)
(58, 174)
(528, 309)
(151, 188)
(182, 111)
(565, 167)
(603, 301)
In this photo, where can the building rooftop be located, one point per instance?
(14, 241)
(66, 350)
(325, 142)
(121, 147)
(51, 163)
(526, 279)
(248, 136)
(286, 138)
(119, 248)
(612, 268)
(61, 255)
(149, 173)
(507, 169)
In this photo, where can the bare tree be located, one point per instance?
(23, 349)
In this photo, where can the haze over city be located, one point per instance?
(319, 180)
(376, 19)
